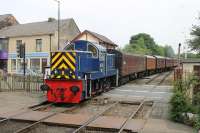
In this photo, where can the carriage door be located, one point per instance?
(102, 60)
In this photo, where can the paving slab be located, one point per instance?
(165, 126)
(14, 101)
(32, 116)
(135, 125)
(68, 119)
(13, 113)
(108, 122)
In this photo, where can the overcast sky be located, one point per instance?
(167, 21)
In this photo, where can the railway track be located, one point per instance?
(81, 128)
(158, 79)
(28, 127)
(32, 108)
(164, 78)
(23, 126)
(85, 127)
(133, 114)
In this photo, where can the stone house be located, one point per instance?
(40, 39)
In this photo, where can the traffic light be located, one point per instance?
(21, 50)
(18, 50)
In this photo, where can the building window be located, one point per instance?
(13, 64)
(18, 42)
(44, 64)
(35, 65)
(38, 45)
(4, 44)
(20, 65)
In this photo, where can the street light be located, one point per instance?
(58, 23)
(179, 52)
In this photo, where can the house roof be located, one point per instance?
(100, 37)
(35, 28)
(192, 60)
(3, 17)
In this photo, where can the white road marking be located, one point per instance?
(123, 90)
(145, 91)
(160, 92)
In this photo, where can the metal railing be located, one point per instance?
(13, 82)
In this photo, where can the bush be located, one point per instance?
(197, 120)
(196, 99)
(178, 106)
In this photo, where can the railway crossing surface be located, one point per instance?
(142, 107)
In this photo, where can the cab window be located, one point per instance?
(92, 49)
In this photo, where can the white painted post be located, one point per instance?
(117, 78)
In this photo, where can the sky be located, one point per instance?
(167, 21)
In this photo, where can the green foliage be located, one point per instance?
(191, 55)
(197, 120)
(143, 43)
(178, 103)
(196, 99)
(168, 51)
(194, 43)
(181, 102)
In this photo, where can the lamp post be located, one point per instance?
(58, 23)
(179, 49)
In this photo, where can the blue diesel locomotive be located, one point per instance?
(82, 70)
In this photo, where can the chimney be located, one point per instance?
(50, 19)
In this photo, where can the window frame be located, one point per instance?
(38, 46)
(97, 54)
(13, 68)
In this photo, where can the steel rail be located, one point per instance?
(132, 115)
(40, 120)
(152, 79)
(163, 79)
(26, 111)
(94, 118)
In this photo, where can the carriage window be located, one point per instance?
(70, 47)
(93, 50)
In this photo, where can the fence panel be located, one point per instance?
(20, 83)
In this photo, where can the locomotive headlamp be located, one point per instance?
(74, 89)
(44, 87)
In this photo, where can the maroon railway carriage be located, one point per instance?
(130, 66)
(160, 63)
(169, 63)
(150, 64)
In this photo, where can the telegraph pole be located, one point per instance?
(24, 58)
(58, 23)
(179, 49)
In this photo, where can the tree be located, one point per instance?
(143, 43)
(168, 51)
(194, 43)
